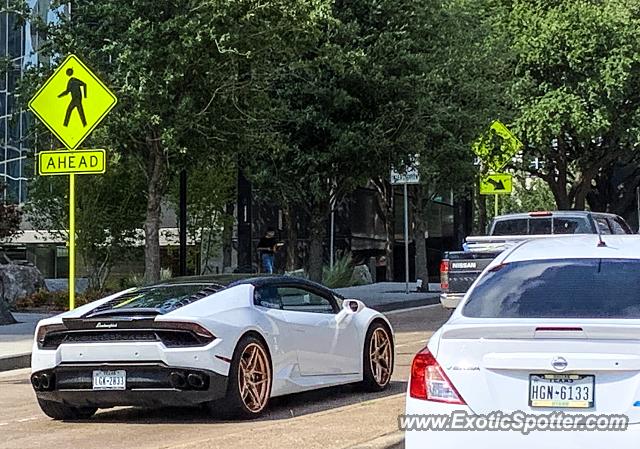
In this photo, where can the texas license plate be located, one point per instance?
(110, 380)
(562, 390)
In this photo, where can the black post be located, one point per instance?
(183, 222)
(245, 247)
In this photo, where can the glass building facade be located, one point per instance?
(19, 45)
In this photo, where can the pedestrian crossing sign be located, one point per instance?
(72, 102)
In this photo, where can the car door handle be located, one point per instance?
(298, 329)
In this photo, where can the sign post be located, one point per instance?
(71, 103)
(410, 176)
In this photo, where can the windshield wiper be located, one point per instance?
(130, 311)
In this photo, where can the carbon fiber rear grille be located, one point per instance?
(170, 338)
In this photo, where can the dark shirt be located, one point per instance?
(269, 243)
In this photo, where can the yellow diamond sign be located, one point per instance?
(72, 102)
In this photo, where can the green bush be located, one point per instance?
(56, 301)
(340, 275)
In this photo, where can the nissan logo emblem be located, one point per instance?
(559, 364)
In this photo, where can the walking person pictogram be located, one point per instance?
(78, 91)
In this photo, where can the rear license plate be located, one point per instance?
(562, 390)
(110, 380)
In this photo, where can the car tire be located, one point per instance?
(59, 411)
(378, 357)
(250, 381)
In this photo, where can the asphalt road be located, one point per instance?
(340, 417)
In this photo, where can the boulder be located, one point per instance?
(19, 281)
(361, 275)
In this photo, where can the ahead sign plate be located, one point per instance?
(79, 162)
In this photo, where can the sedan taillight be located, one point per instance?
(430, 383)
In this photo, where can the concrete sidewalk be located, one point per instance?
(387, 296)
(16, 341)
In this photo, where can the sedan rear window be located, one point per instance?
(572, 288)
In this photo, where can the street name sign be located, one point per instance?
(79, 162)
(496, 184)
(410, 176)
(497, 146)
(72, 102)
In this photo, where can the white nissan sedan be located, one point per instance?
(543, 352)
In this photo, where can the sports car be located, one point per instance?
(193, 341)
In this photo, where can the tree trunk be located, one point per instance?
(482, 215)
(152, 220)
(292, 238)
(317, 233)
(5, 314)
(420, 229)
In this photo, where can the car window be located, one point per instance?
(301, 300)
(540, 226)
(573, 288)
(517, 226)
(603, 225)
(164, 298)
(619, 226)
(571, 225)
(267, 296)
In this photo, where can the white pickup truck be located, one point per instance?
(459, 269)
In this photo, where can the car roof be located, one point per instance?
(232, 280)
(579, 246)
(557, 213)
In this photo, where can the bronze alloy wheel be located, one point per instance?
(380, 356)
(254, 377)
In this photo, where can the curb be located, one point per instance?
(394, 440)
(405, 304)
(18, 361)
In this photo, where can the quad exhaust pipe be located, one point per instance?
(177, 380)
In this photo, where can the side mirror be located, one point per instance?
(353, 305)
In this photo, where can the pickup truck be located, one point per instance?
(459, 269)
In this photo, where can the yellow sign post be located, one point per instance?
(71, 103)
(79, 162)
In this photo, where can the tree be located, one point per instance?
(576, 88)
(343, 111)
(178, 69)
(109, 209)
(10, 219)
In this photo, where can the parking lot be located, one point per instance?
(332, 418)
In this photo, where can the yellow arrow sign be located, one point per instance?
(78, 162)
(496, 184)
(72, 102)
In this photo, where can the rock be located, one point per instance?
(19, 281)
(361, 275)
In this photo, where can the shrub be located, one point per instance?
(340, 275)
(56, 301)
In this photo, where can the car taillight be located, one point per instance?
(444, 274)
(430, 383)
(185, 326)
(43, 331)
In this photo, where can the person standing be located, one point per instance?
(267, 247)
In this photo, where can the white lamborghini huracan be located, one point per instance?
(196, 342)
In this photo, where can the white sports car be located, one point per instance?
(195, 342)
